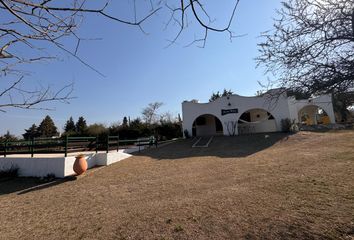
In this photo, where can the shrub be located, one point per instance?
(288, 125)
(178, 228)
(48, 178)
(285, 124)
(186, 134)
(97, 129)
(168, 131)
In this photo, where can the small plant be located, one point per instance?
(186, 133)
(48, 178)
(288, 125)
(285, 124)
(294, 127)
(178, 228)
(10, 172)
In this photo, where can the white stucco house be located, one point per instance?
(234, 114)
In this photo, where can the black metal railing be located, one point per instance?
(67, 144)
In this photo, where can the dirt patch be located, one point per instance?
(250, 187)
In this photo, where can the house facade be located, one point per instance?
(235, 115)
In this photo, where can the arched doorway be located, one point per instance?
(256, 121)
(207, 125)
(313, 115)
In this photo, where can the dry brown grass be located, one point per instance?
(296, 187)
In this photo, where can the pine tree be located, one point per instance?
(8, 137)
(81, 126)
(47, 128)
(125, 122)
(70, 126)
(217, 95)
(31, 132)
(226, 93)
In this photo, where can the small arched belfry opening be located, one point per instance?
(207, 125)
(313, 115)
(256, 121)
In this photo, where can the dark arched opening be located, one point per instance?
(207, 125)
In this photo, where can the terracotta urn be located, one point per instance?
(80, 164)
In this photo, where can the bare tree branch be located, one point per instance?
(44, 26)
(311, 47)
(191, 7)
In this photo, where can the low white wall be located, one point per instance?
(35, 167)
(116, 157)
(132, 149)
(91, 158)
(59, 166)
(264, 126)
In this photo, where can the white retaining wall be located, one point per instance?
(35, 167)
(59, 166)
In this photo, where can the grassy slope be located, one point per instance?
(301, 186)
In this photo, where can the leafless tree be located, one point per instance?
(149, 113)
(167, 117)
(29, 29)
(311, 48)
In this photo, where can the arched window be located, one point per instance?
(256, 121)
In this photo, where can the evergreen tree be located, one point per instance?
(47, 128)
(125, 122)
(81, 126)
(31, 132)
(136, 123)
(217, 95)
(70, 126)
(97, 129)
(8, 137)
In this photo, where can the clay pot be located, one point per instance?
(80, 164)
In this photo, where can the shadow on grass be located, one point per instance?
(221, 146)
(23, 185)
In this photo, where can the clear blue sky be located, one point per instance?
(139, 69)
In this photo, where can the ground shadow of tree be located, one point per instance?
(223, 147)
